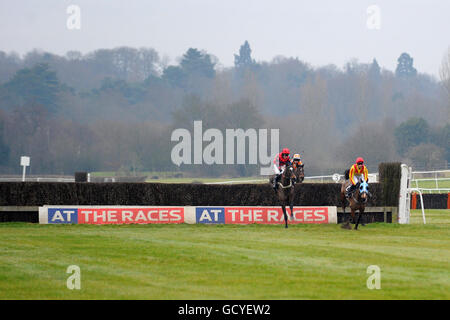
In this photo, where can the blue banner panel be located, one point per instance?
(210, 214)
(62, 215)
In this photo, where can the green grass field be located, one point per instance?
(443, 184)
(227, 261)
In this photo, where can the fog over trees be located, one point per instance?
(115, 110)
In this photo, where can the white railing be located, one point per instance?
(373, 177)
(36, 179)
(236, 181)
(324, 178)
(406, 195)
(321, 178)
(439, 175)
(330, 178)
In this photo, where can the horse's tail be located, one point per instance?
(347, 174)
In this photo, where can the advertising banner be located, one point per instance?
(188, 214)
(265, 215)
(111, 215)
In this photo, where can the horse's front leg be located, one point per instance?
(346, 222)
(291, 206)
(291, 203)
(361, 211)
(352, 211)
(352, 218)
(285, 216)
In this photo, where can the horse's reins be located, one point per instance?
(356, 200)
(285, 187)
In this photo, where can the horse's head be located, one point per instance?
(289, 172)
(363, 192)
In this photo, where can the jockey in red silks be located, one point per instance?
(279, 164)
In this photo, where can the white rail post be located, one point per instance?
(404, 198)
(421, 202)
(422, 206)
(436, 179)
(24, 162)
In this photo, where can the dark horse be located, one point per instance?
(357, 200)
(299, 172)
(286, 192)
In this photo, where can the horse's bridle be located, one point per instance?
(302, 171)
(290, 179)
(357, 200)
(359, 196)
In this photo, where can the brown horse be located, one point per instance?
(357, 200)
(299, 172)
(286, 191)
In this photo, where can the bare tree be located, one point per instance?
(444, 72)
(315, 131)
(251, 89)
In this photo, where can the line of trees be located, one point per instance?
(115, 109)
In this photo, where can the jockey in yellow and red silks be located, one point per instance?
(358, 173)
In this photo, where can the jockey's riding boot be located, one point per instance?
(275, 181)
(349, 190)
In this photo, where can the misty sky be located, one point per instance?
(318, 32)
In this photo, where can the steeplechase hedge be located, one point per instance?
(431, 201)
(385, 193)
(39, 193)
(389, 175)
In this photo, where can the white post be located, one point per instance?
(423, 209)
(436, 179)
(421, 202)
(404, 198)
(25, 162)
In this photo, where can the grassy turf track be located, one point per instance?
(227, 261)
